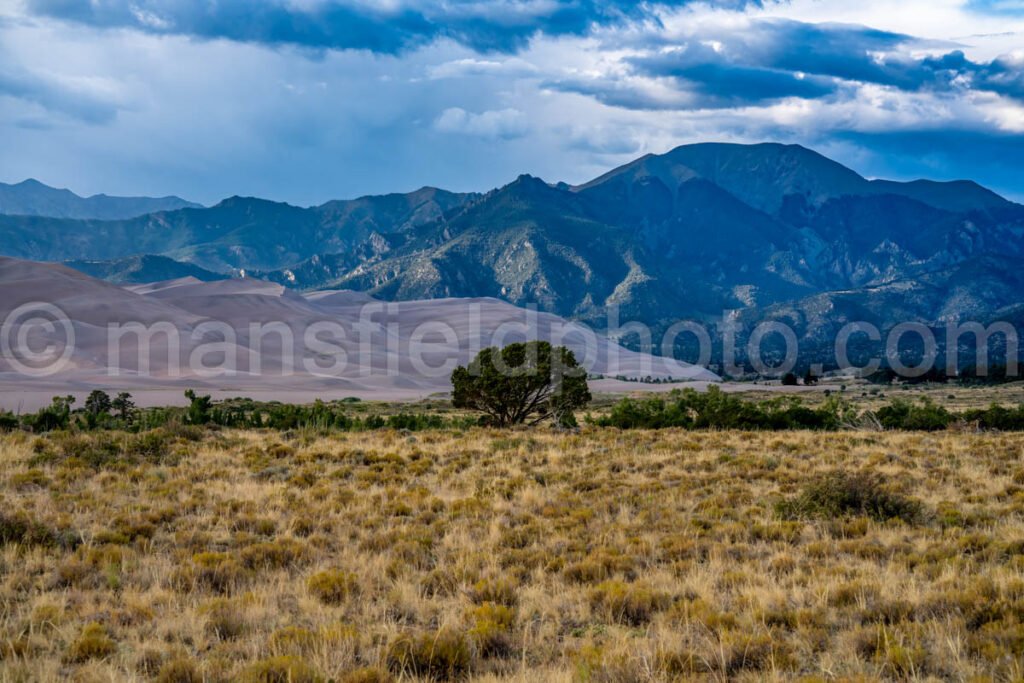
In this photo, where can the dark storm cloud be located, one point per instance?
(165, 96)
(719, 82)
(488, 25)
(771, 60)
(866, 55)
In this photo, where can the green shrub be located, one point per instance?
(292, 640)
(218, 572)
(8, 422)
(179, 671)
(273, 554)
(997, 417)
(631, 604)
(838, 494)
(283, 669)
(440, 655)
(224, 620)
(367, 675)
(92, 643)
(106, 449)
(924, 416)
(55, 416)
(499, 591)
(492, 628)
(19, 529)
(714, 409)
(33, 478)
(333, 587)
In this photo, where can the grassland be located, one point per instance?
(221, 555)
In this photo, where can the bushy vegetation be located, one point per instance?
(680, 408)
(20, 529)
(924, 416)
(281, 669)
(333, 587)
(93, 643)
(715, 409)
(439, 656)
(838, 493)
(101, 413)
(997, 417)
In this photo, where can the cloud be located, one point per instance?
(625, 91)
(605, 140)
(196, 98)
(383, 27)
(714, 64)
(86, 100)
(865, 55)
(469, 67)
(505, 124)
(702, 69)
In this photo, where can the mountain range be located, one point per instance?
(771, 231)
(33, 198)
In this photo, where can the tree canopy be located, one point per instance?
(526, 382)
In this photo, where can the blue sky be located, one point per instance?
(310, 100)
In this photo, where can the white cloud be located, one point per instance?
(512, 67)
(206, 119)
(505, 124)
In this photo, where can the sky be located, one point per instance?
(310, 100)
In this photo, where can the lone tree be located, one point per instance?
(527, 382)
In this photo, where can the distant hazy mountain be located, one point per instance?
(768, 230)
(33, 198)
(238, 234)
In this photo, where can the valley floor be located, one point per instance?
(486, 555)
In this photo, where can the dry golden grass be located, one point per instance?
(518, 556)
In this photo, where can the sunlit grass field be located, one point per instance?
(221, 555)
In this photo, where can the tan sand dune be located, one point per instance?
(339, 297)
(218, 288)
(244, 337)
(150, 287)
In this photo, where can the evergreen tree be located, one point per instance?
(522, 383)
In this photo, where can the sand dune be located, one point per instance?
(246, 336)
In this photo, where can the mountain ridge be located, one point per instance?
(31, 197)
(691, 233)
